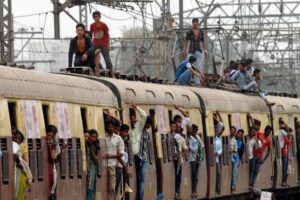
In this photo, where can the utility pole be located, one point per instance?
(180, 14)
(56, 12)
(6, 32)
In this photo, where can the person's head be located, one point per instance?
(19, 137)
(124, 129)
(148, 123)
(178, 120)
(242, 66)
(86, 135)
(14, 130)
(232, 131)
(252, 131)
(80, 30)
(195, 22)
(51, 131)
(192, 59)
(268, 131)
(110, 127)
(195, 129)
(96, 16)
(256, 73)
(93, 135)
(215, 118)
(117, 126)
(172, 126)
(290, 131)
(249, 62)
(257, 124)
(189, 129)
(239, 134)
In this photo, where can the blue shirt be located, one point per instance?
(242, 78)
(193, 148)
(240, 148)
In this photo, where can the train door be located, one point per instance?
(195, 117)
(8, 119)
(239, 120)
(225, 161)
(95, 120)
(265, 176)
(33, 127)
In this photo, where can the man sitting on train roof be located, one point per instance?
(187, 71)
(83, 48)
(245, 82)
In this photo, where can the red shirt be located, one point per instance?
(100, 34)
(286, 147)
(265, 142)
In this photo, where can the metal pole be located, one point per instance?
(180, 14)
(56, 13)
(1, 31)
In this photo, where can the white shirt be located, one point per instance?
(282, 134)
(253, 143)
(218, 149)
(115, 145)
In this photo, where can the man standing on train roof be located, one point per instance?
(245, 82)
(258, 159)
(194, 39)
(249, 66)
(100, 33)
(218, 149)
(83, 48)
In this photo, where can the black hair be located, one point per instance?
(176, 117)
(87, 131)
(257, 122)
(21, 134)
(234, 65)
(268, 128)
(93, 132)
(117, 123)
(252, 128)
(95, 13)
(195, 20)
(256, 71)
(80, 25)
(194, 127)
(148, 120)
(192, 59)
(51, 128)
(124, 127)
(249, 61)
(108, 122)
(241, 130)
(232, 127)
(14, 130)
(243, 63)
(172, 122)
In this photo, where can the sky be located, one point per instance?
(116, 20)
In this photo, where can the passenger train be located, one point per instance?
(30, 100)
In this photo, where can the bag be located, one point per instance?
(180, 69)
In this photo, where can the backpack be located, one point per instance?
(181, 69)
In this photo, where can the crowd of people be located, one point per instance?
(186, 145)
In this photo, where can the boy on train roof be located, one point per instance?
(83, 48)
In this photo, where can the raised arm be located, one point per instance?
(185, 114)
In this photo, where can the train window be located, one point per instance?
(151, 141)
(32, 158)
(40, 161)
(46, 114)
(79, 158)
(84, 118)
(12, 108)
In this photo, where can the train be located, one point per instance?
(31, 100)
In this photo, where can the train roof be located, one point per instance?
(27, 84)
(285, 104)
(222, 100)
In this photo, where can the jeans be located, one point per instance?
(141, 170)
(254, 166)
(106, 56)
(194, 175)
(185, 78)
(125, 181)
(90, 62)
(284, 162)
(199, 65)
(218, 177)
(159, 196)
(234, 176)
(178, 174)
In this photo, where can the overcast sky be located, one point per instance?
(115, 19)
